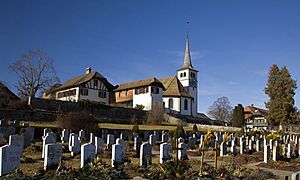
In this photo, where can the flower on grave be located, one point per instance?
(225, 137)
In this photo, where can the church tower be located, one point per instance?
(188, 77)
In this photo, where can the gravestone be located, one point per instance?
(122, 142)
(117, 155)
(81, 135)
(191, 143)
(251, 145)
(10, 131)
(145, 154)
(16, 140)
(164, 137)
(104, 133)
(137, 141)
(92, 138)
(289, 151)
(180, 140)
(266, 153)
(164, 152)
(28, 136)
(146, 135)
(48, 139)
(223, 149)
(182, 151)
(1, 138)
(9, 159)
(47, 130)
(156, 135)
(233, 147)
(99, 143)
(242, 145)
(53, 153)
(258, 146)
(152, 140)
(87, 154)
(65, 134)
(275, 153)
(124, 135)
(74, 144)
(110, 140)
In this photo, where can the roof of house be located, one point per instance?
(52, 88)
(6, 93)
(252, 110)
(79, 80)
(140, 83)
(174, 87)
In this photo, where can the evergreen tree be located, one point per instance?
(195, 129)
(238, 117)
(281, 91)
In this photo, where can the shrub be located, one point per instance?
(195, 129)
(156, 114)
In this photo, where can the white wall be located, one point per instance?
(176, 104)
(183, 111)
(147, 99)
(93, 96)
(69, 98)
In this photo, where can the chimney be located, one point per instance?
(252, 105)
(88, 70)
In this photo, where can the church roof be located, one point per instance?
(140, 83)
(79, 80)
(187, 64)
(174, 87)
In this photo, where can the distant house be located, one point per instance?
(91, 86)
(147, 92)
(175, 98)
(50, 93)
(255, 118)
(6, 95)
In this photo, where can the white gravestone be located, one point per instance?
(92, 138)
(152, 140)
(74, 144)
(53, 153)
(65, 134)
(117, 154)
(266, 153)
(110, 140)
(87, 154)
(233, 147)
(99, 143)
(48, 139)
(164, 152)
(9, 158)
(81, 135)
(182, 151)
(223, 149)
(145, 154)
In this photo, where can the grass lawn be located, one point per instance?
(122, 126)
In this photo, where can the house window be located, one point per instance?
(84, 92)
(102, 94)
(141, 90)
(184, 74)
(185, 104)
(96, 82)
(171, 103)
(155, 90)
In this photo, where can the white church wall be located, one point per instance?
(176, 104)
(188, 110)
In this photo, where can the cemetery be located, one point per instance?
(49, 153)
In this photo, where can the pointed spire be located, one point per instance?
(187, 56)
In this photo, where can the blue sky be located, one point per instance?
(233, 42)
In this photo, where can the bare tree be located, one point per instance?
(156, 114)
(221, 110)
(35, 71)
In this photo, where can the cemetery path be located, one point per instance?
(277, 172)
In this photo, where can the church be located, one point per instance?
(176, 94)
